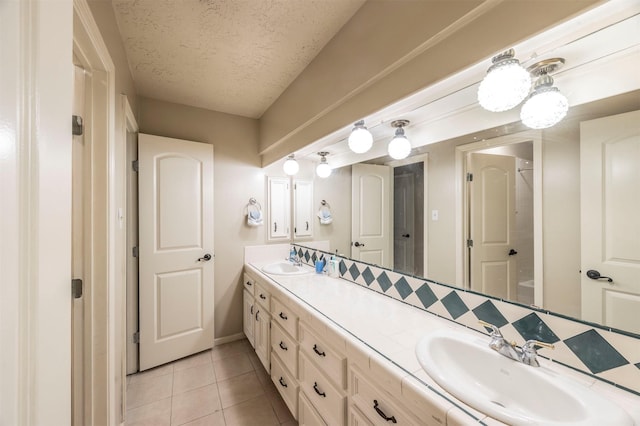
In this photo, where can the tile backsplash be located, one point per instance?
(611, 356)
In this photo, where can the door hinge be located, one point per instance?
(469, 177)
(135, 166)
(136, 337)
(76, 125)
(76, 288)
(134, 251)
(469, 243)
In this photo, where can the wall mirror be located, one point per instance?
(454, 139)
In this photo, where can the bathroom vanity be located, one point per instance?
(341, 354)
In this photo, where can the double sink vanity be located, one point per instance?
(342, 354)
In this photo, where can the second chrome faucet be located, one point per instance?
(527, 354)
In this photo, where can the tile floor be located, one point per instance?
(226, 385)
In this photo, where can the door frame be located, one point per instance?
(462, 205)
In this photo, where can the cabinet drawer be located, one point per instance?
(249, 283)
(332, 362)
(377, 405)
(285, 347)
(307, 415)
(285, 317)
(356, 418)
(262, 296)
(286, 385)
(325, 397)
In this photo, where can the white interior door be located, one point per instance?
(610, 220)
(371, 214)
(491, 223)
(176, 248)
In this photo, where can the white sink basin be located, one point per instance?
(507, 390)
(285, 268)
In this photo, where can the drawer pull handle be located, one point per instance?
(251, 309)
(381, 413)
(315, 388)
(249, 283)
(315, 349)
(282, 382)
(257, 312)
(262, 296)
(283, 346)
(283, 316)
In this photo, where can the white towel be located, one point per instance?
(325, 215)
(254, 216)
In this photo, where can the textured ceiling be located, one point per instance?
(233, 56)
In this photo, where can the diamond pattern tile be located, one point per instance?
(531, 327)
(638, 365)
(300, 253)
(384, 282)
(403, 287)
(595, 352)
(426, 295)
(343, 268)
(489, 313)
(314, 257)
(368, 276)
(454, 304)
(307, 256)
(354, 271)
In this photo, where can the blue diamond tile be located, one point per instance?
(426, 295)
(368, 276)
(454, 305)
(314, 257)
(532, 327)
(384, 282)
(300, 253)
(353, 270)
(403, 287)
(638, 365)
(489, 313)
(595, 352)
(307, 255)
(343, 268)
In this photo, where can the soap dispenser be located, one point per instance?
(334, 267)
(292, 254)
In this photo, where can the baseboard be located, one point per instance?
(228, 339)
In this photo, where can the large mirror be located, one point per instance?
(439, 210)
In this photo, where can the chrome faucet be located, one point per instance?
(526, 355)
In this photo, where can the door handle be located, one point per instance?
(357, 244)
(406, 235)
(595, 275)
(205, 258)
(512, 252)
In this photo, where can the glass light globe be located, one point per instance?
(291, 166)
(399, 147)
(506, 84)
(360, 140)
(544, 108)
(323, 170)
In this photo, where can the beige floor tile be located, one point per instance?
(215, 419)
(149, 390)
(291, 423)
(192, 378)
(255, 361)
(192, 361)
(239, 389)
(280, 407)
(232, 366)
(232, 348)
(155, 414)
(150, 374)
(263, 377)
(254, 412)
(192, 405)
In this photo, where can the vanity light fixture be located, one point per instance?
(360, 140)
(323, 170)
(506, 84)
(291, 166)
(545, 106)
(399, 147)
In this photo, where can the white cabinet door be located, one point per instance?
(262, 337)
(247, 313)
(278, 208)
(303, 209)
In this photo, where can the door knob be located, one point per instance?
(595, 275)
(357, 244)
(512, 252)
(205, 258)
(406, 235)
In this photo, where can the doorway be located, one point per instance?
(408, 218)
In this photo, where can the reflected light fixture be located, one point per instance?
(291, 166)
(323, 170)
(399, 147)
(506, 84)
(360, 140)
(545, 106)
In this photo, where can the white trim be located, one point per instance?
(228, 339)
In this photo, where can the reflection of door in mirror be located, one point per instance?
(610, 201)
(408, 218)
(371, 214)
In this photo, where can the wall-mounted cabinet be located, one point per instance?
(280, 192)
(302, 209)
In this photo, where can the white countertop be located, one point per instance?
(388, 331)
